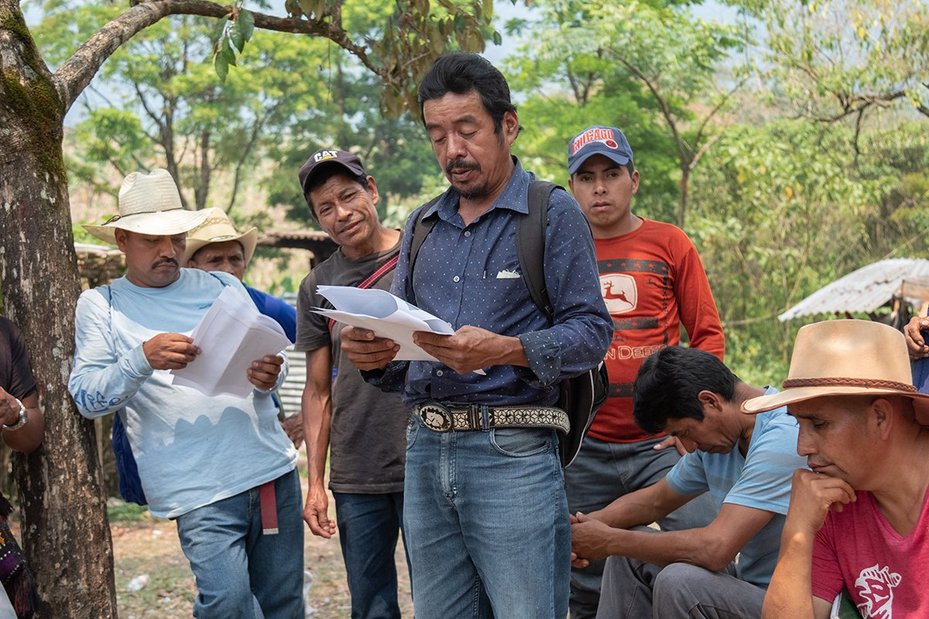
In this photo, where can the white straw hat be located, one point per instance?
(149, 204)
(217, 228)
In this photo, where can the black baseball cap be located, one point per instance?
(329, 156)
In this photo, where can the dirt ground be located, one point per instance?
(147, 552)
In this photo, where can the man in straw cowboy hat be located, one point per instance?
(214, 245)
(207, 462)
(858, 520)
(739, 463)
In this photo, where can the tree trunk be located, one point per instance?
(66, 536)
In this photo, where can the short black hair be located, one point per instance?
(669, 382)
(324, 174)
(462, 72)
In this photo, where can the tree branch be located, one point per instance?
(857, 135)
(663, 105)
(706, 146)
(715, 110)
(76, 72)
(253, 139)
(148, 110)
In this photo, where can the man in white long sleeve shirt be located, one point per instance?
(221, 466)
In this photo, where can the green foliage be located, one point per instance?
(783, 209)
(236, 33)
(156, 102)
(120, 511)
(838, 58)
(651, 69)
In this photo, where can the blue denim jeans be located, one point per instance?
(240, 572)
(369, 526)
(486, 520)
(604, 471)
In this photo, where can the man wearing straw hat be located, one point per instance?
(220, 466)
(857, 520)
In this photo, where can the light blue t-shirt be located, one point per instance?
(192, 450)
(760, 480)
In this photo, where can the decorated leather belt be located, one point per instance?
(441, 418)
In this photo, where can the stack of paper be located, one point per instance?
(231, 336)
(388, 316)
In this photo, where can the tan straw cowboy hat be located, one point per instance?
(845, 357)
(217, 228)
(149, 204)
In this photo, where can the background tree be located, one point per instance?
(157, 101)
(654, 69)
(782, 209)
(65, 533)
(843, 60)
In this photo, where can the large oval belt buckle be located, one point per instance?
(436, 417)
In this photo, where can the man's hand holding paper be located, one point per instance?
(391, 320)
(471, 348)
(169, 351)
(366, 350)
(263, 372)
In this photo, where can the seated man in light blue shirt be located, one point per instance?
(206, 462)
(744, 462)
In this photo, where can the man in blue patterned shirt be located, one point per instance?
(484, 508)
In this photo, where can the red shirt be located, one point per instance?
(652, 281)
(883, 571)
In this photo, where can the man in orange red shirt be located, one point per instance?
(652, 281)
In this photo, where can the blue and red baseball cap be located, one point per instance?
(597, 140)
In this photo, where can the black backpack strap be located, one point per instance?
(422, 226)
(530, 242)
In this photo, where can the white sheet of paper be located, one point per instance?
(388, 316)
(231, 335)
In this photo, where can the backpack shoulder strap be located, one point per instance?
(422, 226)
(530, 242)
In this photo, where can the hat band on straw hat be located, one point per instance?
(836, 381)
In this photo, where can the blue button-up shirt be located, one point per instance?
(470, 275)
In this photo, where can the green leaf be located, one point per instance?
(246, 23)
(228, 52)
(237, 37)
(221, 66)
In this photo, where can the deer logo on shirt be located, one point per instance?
(619, 293)
(876, 584)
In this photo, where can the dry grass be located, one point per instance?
(143, 545)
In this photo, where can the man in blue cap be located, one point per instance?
(652, 281)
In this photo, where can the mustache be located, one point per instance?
(162, 261)
(460, 164)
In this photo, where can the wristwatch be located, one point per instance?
(23, 418)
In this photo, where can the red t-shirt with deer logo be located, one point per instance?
(652, 282)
